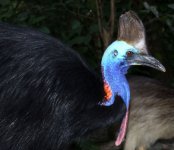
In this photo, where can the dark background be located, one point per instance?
(75, 23)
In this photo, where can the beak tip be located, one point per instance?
(162, 68)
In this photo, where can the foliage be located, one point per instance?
(75, 23)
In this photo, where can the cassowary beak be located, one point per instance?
(146, 60)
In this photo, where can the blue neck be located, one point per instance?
(117, 81)
(114, 70)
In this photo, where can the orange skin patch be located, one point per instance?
(107, 90)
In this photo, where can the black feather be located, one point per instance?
(48, 94)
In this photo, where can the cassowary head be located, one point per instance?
(129, 49)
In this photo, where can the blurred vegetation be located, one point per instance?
(75, 23)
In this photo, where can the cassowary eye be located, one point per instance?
(115, 53)
(129, 53)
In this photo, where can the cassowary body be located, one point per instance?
(50, 97)
(151, 113)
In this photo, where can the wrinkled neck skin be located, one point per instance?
(114, 78)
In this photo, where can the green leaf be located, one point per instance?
(22, 16)
(93, 28)
(171, 6)
(4, 2)
(81, 40)
(76, 27)
(146, 5)
(78, 40)
(45, 30)
(152, 9)
(36, 19)
(76, 24)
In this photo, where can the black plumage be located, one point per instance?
(48, 95)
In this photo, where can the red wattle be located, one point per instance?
(108, 91)
(122, 131)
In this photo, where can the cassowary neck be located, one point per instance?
(115, 83)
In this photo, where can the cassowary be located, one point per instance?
(151, 113)
(49, 96)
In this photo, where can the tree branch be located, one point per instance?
(112, 18)
(100, 16)
(106, 33)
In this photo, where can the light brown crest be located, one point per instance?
(131, 30)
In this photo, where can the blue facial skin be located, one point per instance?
(115, 67)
